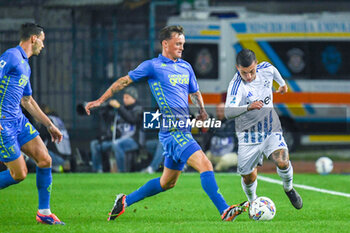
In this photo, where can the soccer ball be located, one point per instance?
(262, 209)
(324, 165)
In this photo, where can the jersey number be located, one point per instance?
(31, 129)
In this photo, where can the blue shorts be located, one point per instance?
(178, 147)
(14, 135)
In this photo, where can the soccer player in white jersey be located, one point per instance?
(259, 132)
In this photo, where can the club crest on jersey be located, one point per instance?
(267, 83)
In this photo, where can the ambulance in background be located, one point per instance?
(311, 51)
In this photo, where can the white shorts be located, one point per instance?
(250, 156)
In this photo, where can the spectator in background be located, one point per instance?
(60, 153)
(220, 143)
(155, 148)
(127, 135)
(103, 143)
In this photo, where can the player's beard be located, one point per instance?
(36, 49)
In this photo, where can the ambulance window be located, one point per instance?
(313, 59)
(203, 59)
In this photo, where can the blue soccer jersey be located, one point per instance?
(170, 83)
(14, 82)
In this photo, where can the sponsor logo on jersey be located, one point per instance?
(266, 100)
(23, 80)
(233, 101)
(178, 79)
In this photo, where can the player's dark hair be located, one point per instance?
(29, 29)
(245, 58)
(166, 32)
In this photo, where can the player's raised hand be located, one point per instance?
(202, 116)
(56, 135)
(92, 104)
(282, 89)
(1, 128)
(258, 104)
(114, 103)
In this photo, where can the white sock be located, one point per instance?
(45, 211)
(287, 177)
(250, 189)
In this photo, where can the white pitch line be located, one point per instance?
(267, 179)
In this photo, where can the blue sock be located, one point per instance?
(6, 179)
(211, 188)
(43, 183)
(151, 188)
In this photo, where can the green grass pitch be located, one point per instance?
(84, 200)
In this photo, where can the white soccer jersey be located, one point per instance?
(252, 127)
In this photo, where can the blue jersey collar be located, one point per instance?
(165, 59)
(24, 55)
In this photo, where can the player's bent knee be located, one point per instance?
(45, 162)
(283, 164)
(206, 165)
(249, 179)
(20, 175)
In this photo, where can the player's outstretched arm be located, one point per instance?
(118, 85)
(197, 100)
(33, 108)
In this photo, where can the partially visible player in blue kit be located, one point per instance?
(16, 132)
(171, 80)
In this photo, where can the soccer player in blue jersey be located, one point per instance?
(16, 132)
(171, 80)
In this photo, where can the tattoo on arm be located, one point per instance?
(26, 98)
(118, 85)
(197, 99)
(25, 101)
